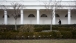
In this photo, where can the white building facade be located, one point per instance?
(39, 12)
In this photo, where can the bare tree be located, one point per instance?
(51, 5)
(26, 28)
(4, 7)
(16, 12)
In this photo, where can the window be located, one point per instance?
(67, 15)
(43, 15)
(7, 16)
(18, 15)
(57, 15)
(31, 15)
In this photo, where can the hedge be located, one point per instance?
(74, 34)
(36, 35)
(56, 34)
(39, 28)
(66, 34)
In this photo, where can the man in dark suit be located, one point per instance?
(59, 22)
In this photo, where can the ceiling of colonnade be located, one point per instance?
(37, 0)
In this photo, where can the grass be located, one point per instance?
(40, 41)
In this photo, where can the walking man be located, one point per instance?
(59, 22)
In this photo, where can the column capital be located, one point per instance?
(21, 9)
(53, 7)
(5, 12)
(37, 9)
(5, 9)
(69, 9)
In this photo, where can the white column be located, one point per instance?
(38, 16)
(69, 16)
(21, 16)
(5, 17)
(53, 16)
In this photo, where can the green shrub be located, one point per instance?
(13, 35)
(47, 35)
(56, 34)
(65, 29)
(26, 28)
(38, 29)
(44, 34)
(55, 28)
(34, 31)
(9, 35)
(29, 35)
(36, 35)
(66, 34)
(74, 34)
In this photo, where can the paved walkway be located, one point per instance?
(40, 41)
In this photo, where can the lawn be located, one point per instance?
(40, 41)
